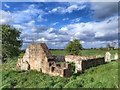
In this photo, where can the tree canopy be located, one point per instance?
(10, 41)
(73, 47)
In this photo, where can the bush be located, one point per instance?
(73, 47)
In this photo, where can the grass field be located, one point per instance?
(86, 52)
(103, 76)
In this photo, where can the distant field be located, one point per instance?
(103, 76)
(85, 52)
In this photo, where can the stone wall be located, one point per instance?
(84, 62)
(59, 58)
(81, 65)
(73, 58)
(38, 57)
(64, 70)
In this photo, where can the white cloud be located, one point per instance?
(90, 34)
(18, 18)
(6, 6)
(75, 20)
(55, 23)
(75, 7)
(99, 34)
(6, 17)
(64, 19)
(40, 18)
(90, 31)
(41, 40)
(58, 9)
(18, 26)
(55, 9)
(31, 23)
(64, 29)
(68, 9)
(27, 14)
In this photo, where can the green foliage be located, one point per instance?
(10, 41)
(108, 46)
(73, 47)
(75, 84)
(59, 85)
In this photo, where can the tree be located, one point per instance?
(113, 44)
(108, 46)
(73, 47)
(10, 41)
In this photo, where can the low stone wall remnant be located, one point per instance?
(81, 65)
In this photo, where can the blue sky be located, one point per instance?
(57, 23)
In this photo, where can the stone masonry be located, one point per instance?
(38, 57)
(107, 57)
(81, 65)
(84, 62)
(116, 56)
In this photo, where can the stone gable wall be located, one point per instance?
(39, 58)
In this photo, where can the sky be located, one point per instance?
(94, 24)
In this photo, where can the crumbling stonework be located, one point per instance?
(59, 58)
(38, 57)
(116, 56)
(107, 57)
(84, 62)
(73, 58)
(81, 65)
(25, 66)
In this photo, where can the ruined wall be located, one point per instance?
(84, 64)
(64, 70)
(73, 58)
(38, 57)
(59, 58)
(36, 54)
(92, 63)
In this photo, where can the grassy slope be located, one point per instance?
(104, 76)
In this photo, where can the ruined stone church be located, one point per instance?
(38, 57)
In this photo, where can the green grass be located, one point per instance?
(98, 52)
(85, 52)
(58, 52)
(103, 76)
